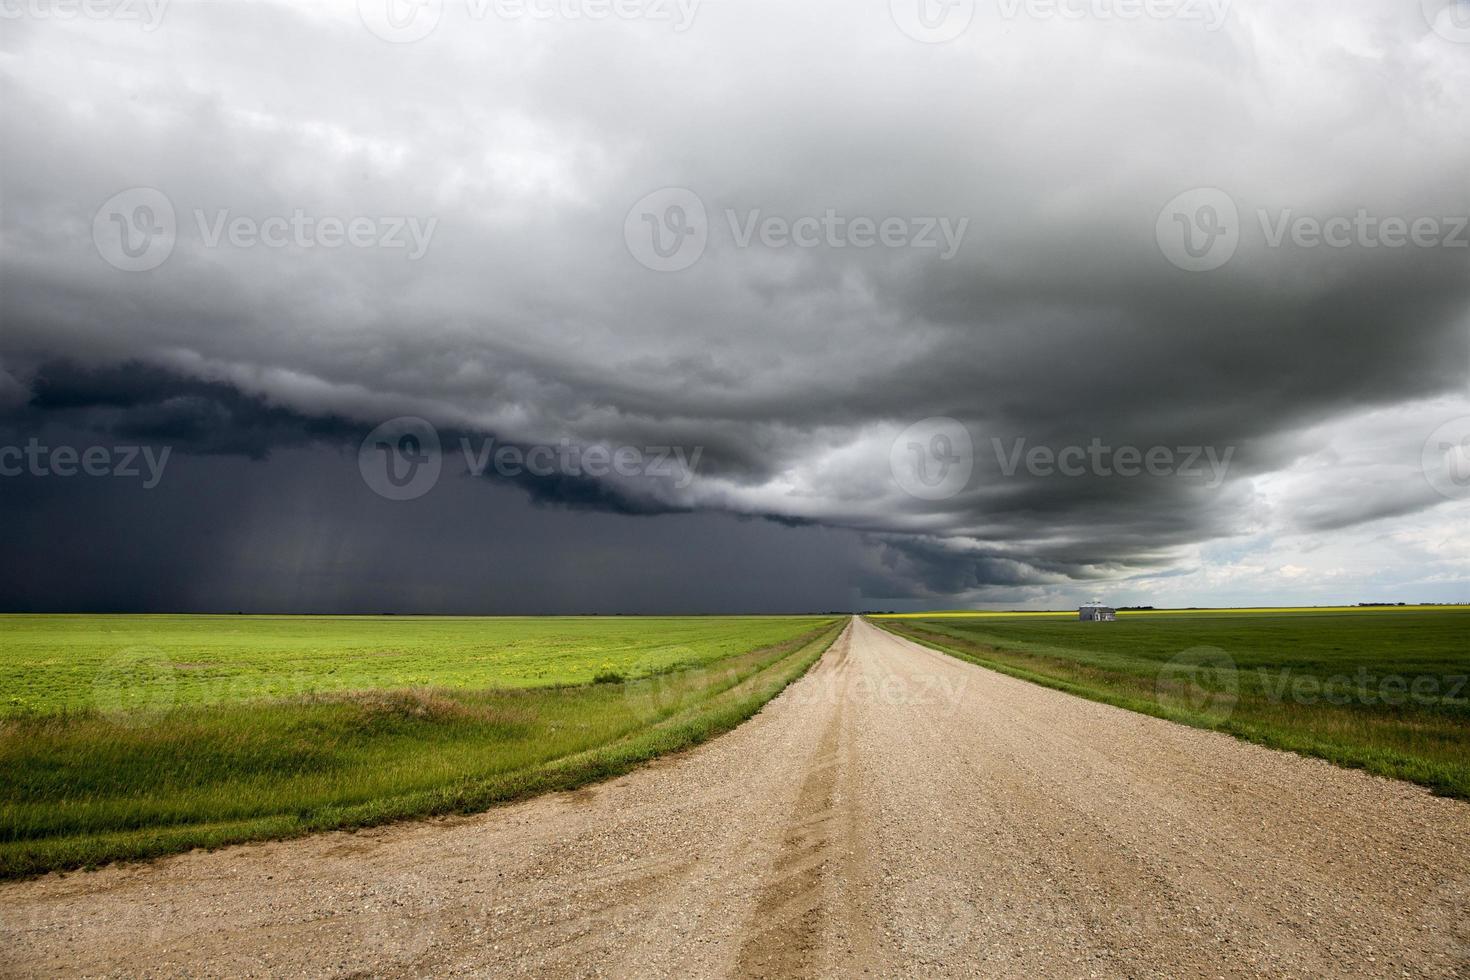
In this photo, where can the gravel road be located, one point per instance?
(894, 813)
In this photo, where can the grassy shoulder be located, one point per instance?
(81, 789)
(1383, 692)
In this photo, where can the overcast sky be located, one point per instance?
(766, 306)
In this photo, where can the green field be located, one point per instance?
(51, 663)
(1381, 689)
(132, 736)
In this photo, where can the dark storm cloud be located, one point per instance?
(139, 403)
(1059, 320)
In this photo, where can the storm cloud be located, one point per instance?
(785, 236)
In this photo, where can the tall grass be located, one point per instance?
(82, 788)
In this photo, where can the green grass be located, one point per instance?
(148, 776)
(1382, 690)
(54, 663)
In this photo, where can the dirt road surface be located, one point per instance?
(894, 813)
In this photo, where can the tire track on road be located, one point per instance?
(808, 919)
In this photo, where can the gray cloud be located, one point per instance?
(1060, 320)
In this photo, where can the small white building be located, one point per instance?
(1096, 612)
